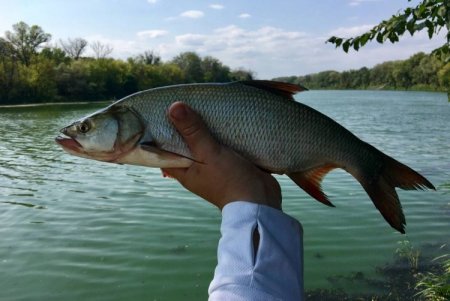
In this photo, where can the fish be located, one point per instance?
(258, 119)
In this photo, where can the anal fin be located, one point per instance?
(310, 181)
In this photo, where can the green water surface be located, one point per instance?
(76, 229)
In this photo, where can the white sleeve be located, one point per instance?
(275, 273)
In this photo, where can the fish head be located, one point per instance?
(105, 135)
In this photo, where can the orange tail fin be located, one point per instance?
(381, 189)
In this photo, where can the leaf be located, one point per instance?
(393, 37)
(407, 12)
(420, 10)
(364, 38)
(440, 21)
(441, 11)
(332, 40)
(346, 45)
(380, 38)
(401, 27)
(430, 32)
(338, 42)
(356, 43)
(430, 27)
(411, 26)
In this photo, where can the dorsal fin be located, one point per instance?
(279, 88)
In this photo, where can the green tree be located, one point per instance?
(107, 77)
(432, 15)
(425, 71)
(8, 70)
(444, 76)
(241, 74)
(214, 71)
(346, 80)
(381, 76)
(327, 79)
(191, 64)
(361, 78)
(72, 81)
(55, 54)
(41, 80)
(150, 76)
(402, 75)
(26, 40)
(35, 83)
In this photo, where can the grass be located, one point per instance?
(413, 274)
(434, 286)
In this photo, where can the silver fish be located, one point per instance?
(258, 119)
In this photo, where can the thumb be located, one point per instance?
(193, 130)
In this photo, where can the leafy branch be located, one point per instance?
(432, 15)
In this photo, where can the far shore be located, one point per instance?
(56, 103)
(113, 100)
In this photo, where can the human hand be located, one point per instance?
(220, 175)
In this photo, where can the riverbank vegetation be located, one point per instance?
(32, 71)
(421, 273)
(432, 16)
(420, 72)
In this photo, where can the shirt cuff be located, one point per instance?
(277, 268)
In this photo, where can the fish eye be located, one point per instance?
(84, 127)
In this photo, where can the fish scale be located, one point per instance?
(244, 119)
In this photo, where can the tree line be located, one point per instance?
(420, 72)
(33, 71)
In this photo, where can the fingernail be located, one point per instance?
(179, 113)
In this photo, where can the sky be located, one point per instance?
(271, 38)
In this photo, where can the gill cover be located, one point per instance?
(130, 126)
(97, 133)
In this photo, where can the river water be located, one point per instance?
(76, 229)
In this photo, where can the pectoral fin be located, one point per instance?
(310, 181)
(152, 156)
(165, 158)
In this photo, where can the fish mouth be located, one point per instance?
(68, 143)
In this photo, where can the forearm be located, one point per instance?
(270, 270)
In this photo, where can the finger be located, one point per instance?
(194, 131)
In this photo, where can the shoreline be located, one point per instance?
(25, 105)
